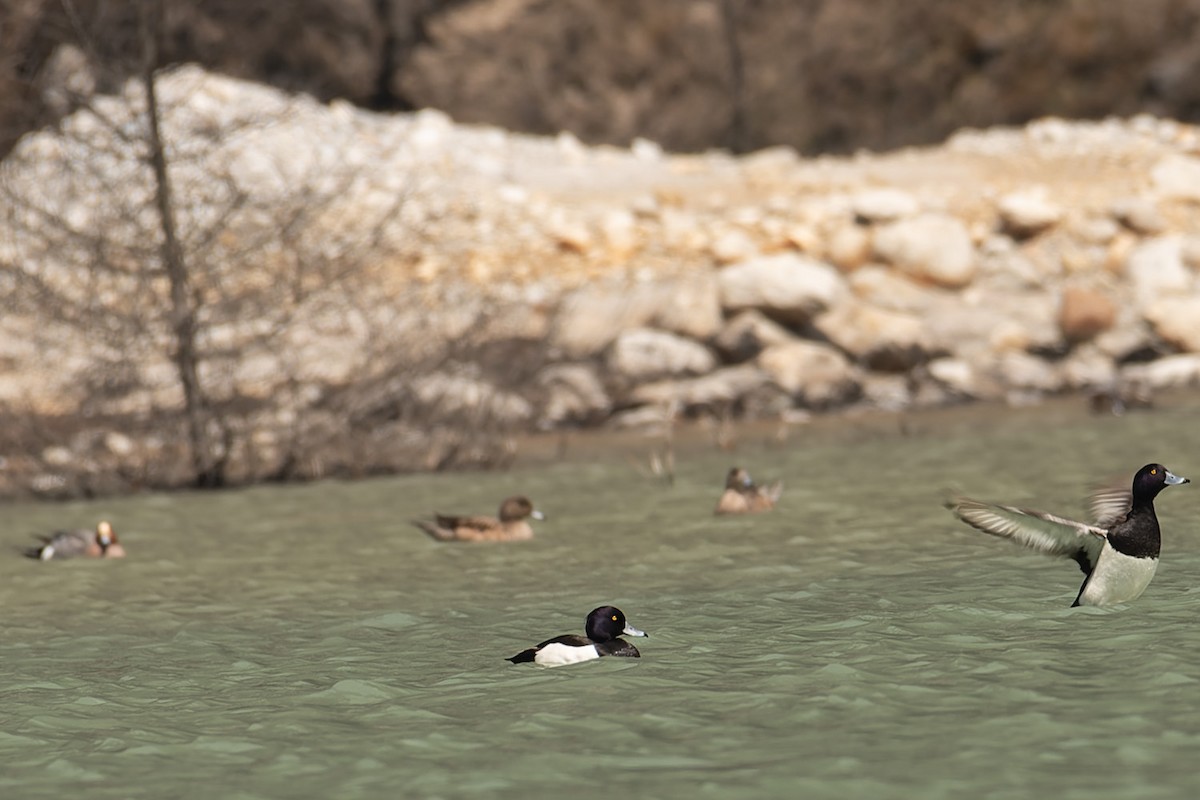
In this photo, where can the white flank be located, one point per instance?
(1118, 578)
(47, 553)
(555, 655)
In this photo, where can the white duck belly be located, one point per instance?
(1117, 578)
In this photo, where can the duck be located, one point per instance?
(511, 526)
(742, 496)
(1118, 553)
(99, 543)
(604, 627)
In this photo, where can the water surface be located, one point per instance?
(306, 641)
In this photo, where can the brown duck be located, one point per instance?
(510, 527)
(742, 496)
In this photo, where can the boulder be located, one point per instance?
(932, 248)
(788, 287)
(645, 354)
(1164, 373)
(718, 388)
(1140, 215)
(888, 392)
(1177, 177)
(848, 247)
(1176, 320)
(589, 318)
(1088, 368)
(1028, 212)
(885, 288)
(889, 341)
(1083, 313)
(884, 205)
(688, 305)
(959, 377)
(573, 394)
(731, 246)
(1019, 370)
(817, 376)
(447, 396)
(1156, 268)
(748, 334)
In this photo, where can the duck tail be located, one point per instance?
(523, 657)
(433, 530)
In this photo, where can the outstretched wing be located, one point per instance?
(1037, 530)
(1107, 505)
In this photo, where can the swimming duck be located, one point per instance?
(604, 626)
(1118, 554)
(99, 543)
(510, 527)
(741, 496)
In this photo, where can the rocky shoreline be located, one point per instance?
(397, 292)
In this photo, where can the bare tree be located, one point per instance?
(207, 464)
(738, 136)
(148, 243)
(222, 273)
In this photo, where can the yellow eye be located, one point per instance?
(614, 618)
(1153, 472)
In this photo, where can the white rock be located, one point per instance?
(816, 375)
(460, 395)
(1095, 230)
(748, 334)
(1139, 214)
(1024, 371)
(57, 456)
(619, 228)
(887, 288)
(889, 392)
(733, 245)
(574, 393)
(589, 318)
(1028, 211)
(644, 354)
(1191, 251)
(889, 341)
(1177, 321)
(689, 305)
(884, 205)
(848, 247)
(1177, 177)
(931, 247)
(118, 443)
(1087, 368)
(718, 388)
(1156, 269)
(1166, 372)
(956, 374)
(787, 286)
(646, 150)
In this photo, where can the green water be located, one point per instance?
(306, 641)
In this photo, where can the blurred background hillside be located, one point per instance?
(823, 76)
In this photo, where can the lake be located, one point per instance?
(308, 641)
